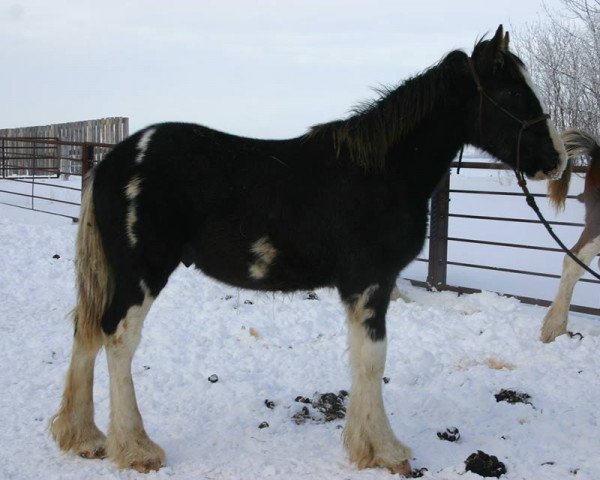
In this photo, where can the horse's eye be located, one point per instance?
(513, 92)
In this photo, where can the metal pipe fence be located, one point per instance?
(46, 174)
(441, 219)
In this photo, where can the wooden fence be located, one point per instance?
(52, 159)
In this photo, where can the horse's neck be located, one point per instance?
(422, 160)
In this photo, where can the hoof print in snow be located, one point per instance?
(512, 396)
(324, 407)
(213, 378)
(575, 335)
(270, 404)
(386, 380)
(263, 425)
(311, 296)
(56, 256)
(485, 465)
(417, 472)
(451, 434)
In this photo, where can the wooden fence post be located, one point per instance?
(3, 159)
(438, 234)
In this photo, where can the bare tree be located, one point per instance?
(563, 56)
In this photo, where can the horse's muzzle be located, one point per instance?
(553, 170)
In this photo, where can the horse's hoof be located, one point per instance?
(147, 466)
(549, 337)
(99, 452)
(402, 468)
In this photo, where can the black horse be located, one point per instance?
(344, 206)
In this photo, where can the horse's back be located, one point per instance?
(260, 214)
(200, 196)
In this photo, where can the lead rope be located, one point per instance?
(520, 177)
(532, 203)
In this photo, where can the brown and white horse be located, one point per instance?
(587, 247)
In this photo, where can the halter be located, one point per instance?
(525, 124)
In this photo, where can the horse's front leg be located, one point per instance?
(556, 319)
(368, 436)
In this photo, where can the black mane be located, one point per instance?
(378, 124)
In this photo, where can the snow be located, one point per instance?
(447, 357)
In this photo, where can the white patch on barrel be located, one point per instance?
(265, 254)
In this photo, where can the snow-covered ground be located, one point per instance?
(447, 357)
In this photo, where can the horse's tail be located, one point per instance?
(577, 142)
(587, 145)
(94, 279)
(558, 189)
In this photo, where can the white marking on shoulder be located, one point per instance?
(265, 254)
(142, 144)
(556, 140)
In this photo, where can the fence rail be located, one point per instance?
(439, 240)
(46, 174)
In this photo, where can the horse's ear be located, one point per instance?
(498, 41)
(499, 46)
(490, 54)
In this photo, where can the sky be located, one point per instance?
(265, 68)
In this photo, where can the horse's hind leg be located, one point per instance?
(368, 436)
(73, 426)
(128, 445)
(555, 321)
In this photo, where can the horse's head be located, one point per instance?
(506, 117)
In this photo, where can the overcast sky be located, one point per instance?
(256, 68)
